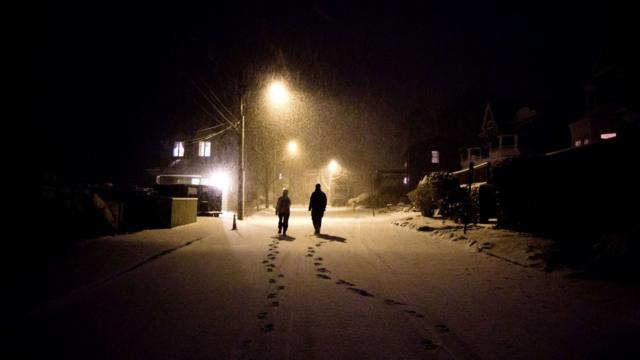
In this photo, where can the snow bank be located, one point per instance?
(518, 248)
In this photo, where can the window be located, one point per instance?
(586, 141)
(435, 157)
(178, 149)
(606, 136)
(578, 143)
(204, 148)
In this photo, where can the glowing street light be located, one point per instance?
(333, 166)
(278, 93)
(292, 148)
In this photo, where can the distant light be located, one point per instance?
(405, 180)
(333, 166)
(278, 93)
(292, 147)
(195, 181)
(606, 136)
(220, 180)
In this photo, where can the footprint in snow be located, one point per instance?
(272, 281)
(272, 296)
(268, 328)
(262, 315)
(275, 303)
(323, 276)
(322, 270)
(245, 343)
(342, 282)
(317, 263)
(281, 275)
(442, 328)
(393, 302)
(319, 259)
(428, 344)
(360, 292)
(281, 287)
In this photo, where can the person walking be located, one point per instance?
(317, 206)
(283, 210)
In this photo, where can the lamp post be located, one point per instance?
(241, 162)
(278, 95)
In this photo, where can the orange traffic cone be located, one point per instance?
(234, 223)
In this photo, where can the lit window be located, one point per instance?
(578, 143)
(405, 180)
(204, 148)
(606, 136)
(178, 149)
(586, 141)
(435, 157)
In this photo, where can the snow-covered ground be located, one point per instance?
(517, 247)
(363, 289)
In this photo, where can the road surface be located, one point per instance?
(364, 289)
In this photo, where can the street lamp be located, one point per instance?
(241, 162)
(292, 148)
(278, 95)
(333, 166)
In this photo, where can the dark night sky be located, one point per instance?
(114, 76)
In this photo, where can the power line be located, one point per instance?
(231, 123)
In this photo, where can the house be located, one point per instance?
(434, 154)
(612, 97)
(204, 157)
(515, 131)
(602, 123)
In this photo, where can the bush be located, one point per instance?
(438, 190)
(363, 199)
(422, 199)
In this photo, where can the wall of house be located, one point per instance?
(419, 159)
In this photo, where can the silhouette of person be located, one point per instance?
(317, 206)
(283, 210)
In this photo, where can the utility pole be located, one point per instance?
(241, 162)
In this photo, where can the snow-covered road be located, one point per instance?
(364, 289)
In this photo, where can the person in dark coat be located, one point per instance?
(283, 210)
(317, 206)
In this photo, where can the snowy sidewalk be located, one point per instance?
(95, 261)
(516, 247)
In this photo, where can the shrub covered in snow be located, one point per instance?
(363, 199)
(438, 190)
